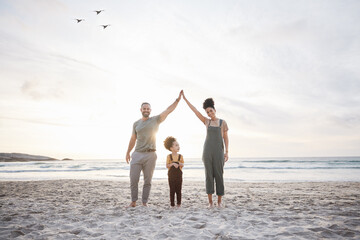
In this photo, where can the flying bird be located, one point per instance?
(98, 11)
(105, 26)
(79, 20)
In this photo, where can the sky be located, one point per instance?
(285, 75)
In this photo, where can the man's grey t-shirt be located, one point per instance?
(145, 132)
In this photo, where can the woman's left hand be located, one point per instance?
(226, 157)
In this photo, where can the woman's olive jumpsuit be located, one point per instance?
(213, 158)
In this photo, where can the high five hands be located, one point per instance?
(180, 94)
(183, 94)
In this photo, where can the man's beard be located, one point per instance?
(146, 114)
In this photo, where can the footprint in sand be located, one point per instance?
(199, 225)
(17, 233)
(76, 231)
(161, 236)
(352, 222)
(6, 219)
(193, 218)
(345, 232)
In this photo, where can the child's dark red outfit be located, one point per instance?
(175, 179)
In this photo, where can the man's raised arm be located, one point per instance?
(171, 108)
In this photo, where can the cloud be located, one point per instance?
(256, 114)
(70, 61)
(36, 121)
(18, 49)
(38, 7)
(351, 121)
(38, 91)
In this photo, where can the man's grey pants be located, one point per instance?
(145, 162)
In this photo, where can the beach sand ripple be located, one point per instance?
(83, 209)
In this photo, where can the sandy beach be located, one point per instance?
(83, 209)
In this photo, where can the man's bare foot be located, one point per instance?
(144, 204)
(132, 204)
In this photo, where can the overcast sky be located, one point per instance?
(285, 75)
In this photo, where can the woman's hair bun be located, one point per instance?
(209, 102)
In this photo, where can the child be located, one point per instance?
(174, 163)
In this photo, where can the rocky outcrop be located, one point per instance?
(21, 157)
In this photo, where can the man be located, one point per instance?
(144, 157)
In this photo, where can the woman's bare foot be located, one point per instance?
(219, 202)
(210, 205)
(132, 204)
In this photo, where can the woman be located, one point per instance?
(213, 153)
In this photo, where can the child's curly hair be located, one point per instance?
(169, 142)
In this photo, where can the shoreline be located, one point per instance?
(96, 209)
(185, 181)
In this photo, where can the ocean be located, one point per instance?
(292, 169)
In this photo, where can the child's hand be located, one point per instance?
(176, 165)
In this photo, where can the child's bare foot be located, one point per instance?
(210, 205)
(132, 204)
(219, 205)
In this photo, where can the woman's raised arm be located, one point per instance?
(197, 113)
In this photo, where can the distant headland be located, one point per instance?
(22, 157)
